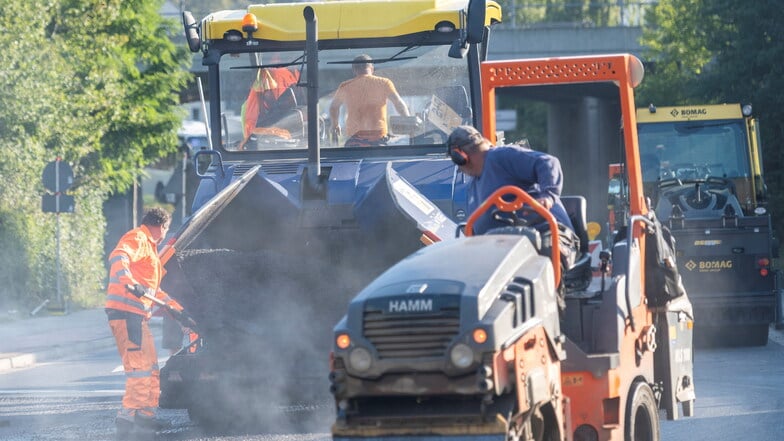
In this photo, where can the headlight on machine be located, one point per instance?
(461, 355)
(360, 359)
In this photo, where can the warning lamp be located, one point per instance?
(763, 262)
(636, 71)
(479, 335)
(249, 23)
(343, 341)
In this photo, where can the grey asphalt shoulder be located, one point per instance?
(25, 341)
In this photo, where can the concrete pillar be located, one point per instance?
(584, 134)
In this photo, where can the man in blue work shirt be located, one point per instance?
(537, 173)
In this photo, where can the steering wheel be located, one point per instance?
(528, 218)
(520, 198)
(698, 199)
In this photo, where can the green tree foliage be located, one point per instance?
(95, 83)
(716, 51)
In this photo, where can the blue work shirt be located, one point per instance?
(537, 173)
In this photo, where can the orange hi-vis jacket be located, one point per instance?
(134, 261)
(270, 83)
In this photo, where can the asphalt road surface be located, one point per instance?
(739, 396)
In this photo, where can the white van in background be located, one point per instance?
(193, 137)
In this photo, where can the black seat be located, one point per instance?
(578, 276)
(278, 109)
(576, 208)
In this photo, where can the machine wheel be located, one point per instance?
(642, 416)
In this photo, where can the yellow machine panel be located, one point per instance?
(345, 19)
(690, 113)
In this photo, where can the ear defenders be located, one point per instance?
(458, 156)
(461, 137)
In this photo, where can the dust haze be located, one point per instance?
(267, 318)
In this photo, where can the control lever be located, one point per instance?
(604, 267)
(182, 317)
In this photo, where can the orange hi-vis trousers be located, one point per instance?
(140, 362)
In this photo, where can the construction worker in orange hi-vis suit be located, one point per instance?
(134, 262)
(269, 85)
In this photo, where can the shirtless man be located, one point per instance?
(365, 97)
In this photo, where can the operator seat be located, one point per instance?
(576, 208)
(578, 276)
(714, 203)
(285, 113)
(576, 263)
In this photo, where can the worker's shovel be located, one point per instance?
(182, 317)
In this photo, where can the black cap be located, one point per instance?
(463, 136)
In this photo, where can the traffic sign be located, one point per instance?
(58, 176)
(57, 203)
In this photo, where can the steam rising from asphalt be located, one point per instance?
(267, 317)
(267, 291)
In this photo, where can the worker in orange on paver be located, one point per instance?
(267, 88)
(134, 262)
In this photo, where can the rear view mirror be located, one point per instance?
(477, 11)
(191, 31)
(473, 31)
(459, 49)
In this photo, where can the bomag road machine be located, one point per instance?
(288, 222)
(703, 167)
(465, 340)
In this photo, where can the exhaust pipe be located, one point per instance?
(311, 59)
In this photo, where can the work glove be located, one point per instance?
(173, 304)
(182, 317)
(139, 291)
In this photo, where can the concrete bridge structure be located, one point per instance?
(563, 40)
(591, 118)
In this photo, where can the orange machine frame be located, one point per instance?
(594, 398)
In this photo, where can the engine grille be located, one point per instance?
(269, 168)
(413, 335)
